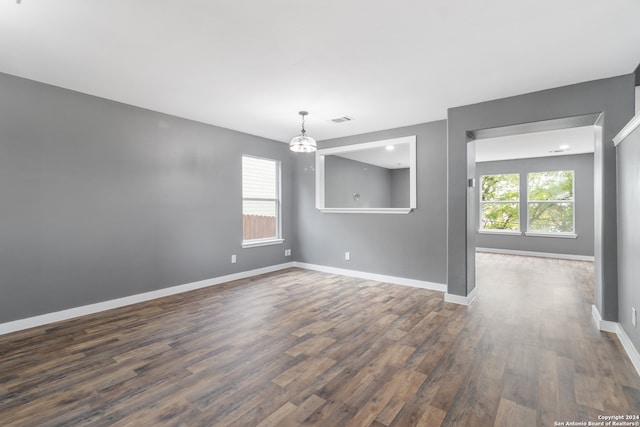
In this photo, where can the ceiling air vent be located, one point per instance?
(341, 119)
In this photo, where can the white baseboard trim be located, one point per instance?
(372, 276)
(537, 254)
(632, 352)
(616, 328)
(603, 325)
(44, 319)
(458, 299)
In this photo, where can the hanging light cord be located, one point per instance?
(303, 131)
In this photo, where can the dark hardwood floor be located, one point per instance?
(307, 348)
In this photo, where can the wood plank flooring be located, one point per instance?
(306, 348)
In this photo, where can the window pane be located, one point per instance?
(500, 216)
(556, 185)
(259, 219)
(259, 178)
(505, 187)
(551, 217)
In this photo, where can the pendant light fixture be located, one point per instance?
(302, 143)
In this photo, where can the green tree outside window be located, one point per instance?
(500, 202)
(550, 202)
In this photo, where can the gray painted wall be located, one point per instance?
(629, 232)
(400, 188)
(377, 187)
(582, 164)
(344, 177)
(411, 246)
(614, 97)
(101, 200)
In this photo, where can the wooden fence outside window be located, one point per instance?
(258, 227)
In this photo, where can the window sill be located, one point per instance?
(262, 242)
(367, 210)
(559, 235)
(501, 232)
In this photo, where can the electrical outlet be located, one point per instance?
(347, 256)
(634, 317)
(287, 252)
(233, 259)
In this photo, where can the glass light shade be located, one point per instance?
(302, 144)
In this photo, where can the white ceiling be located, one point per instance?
(398, 158)
(252, 65)
(537, 144)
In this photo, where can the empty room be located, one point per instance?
(289, 213)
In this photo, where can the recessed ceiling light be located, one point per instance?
(389, 148)
(564, 147)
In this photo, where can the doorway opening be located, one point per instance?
(532, 190)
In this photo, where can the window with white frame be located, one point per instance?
(260, 201)
(550, 202)
(500, 202)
